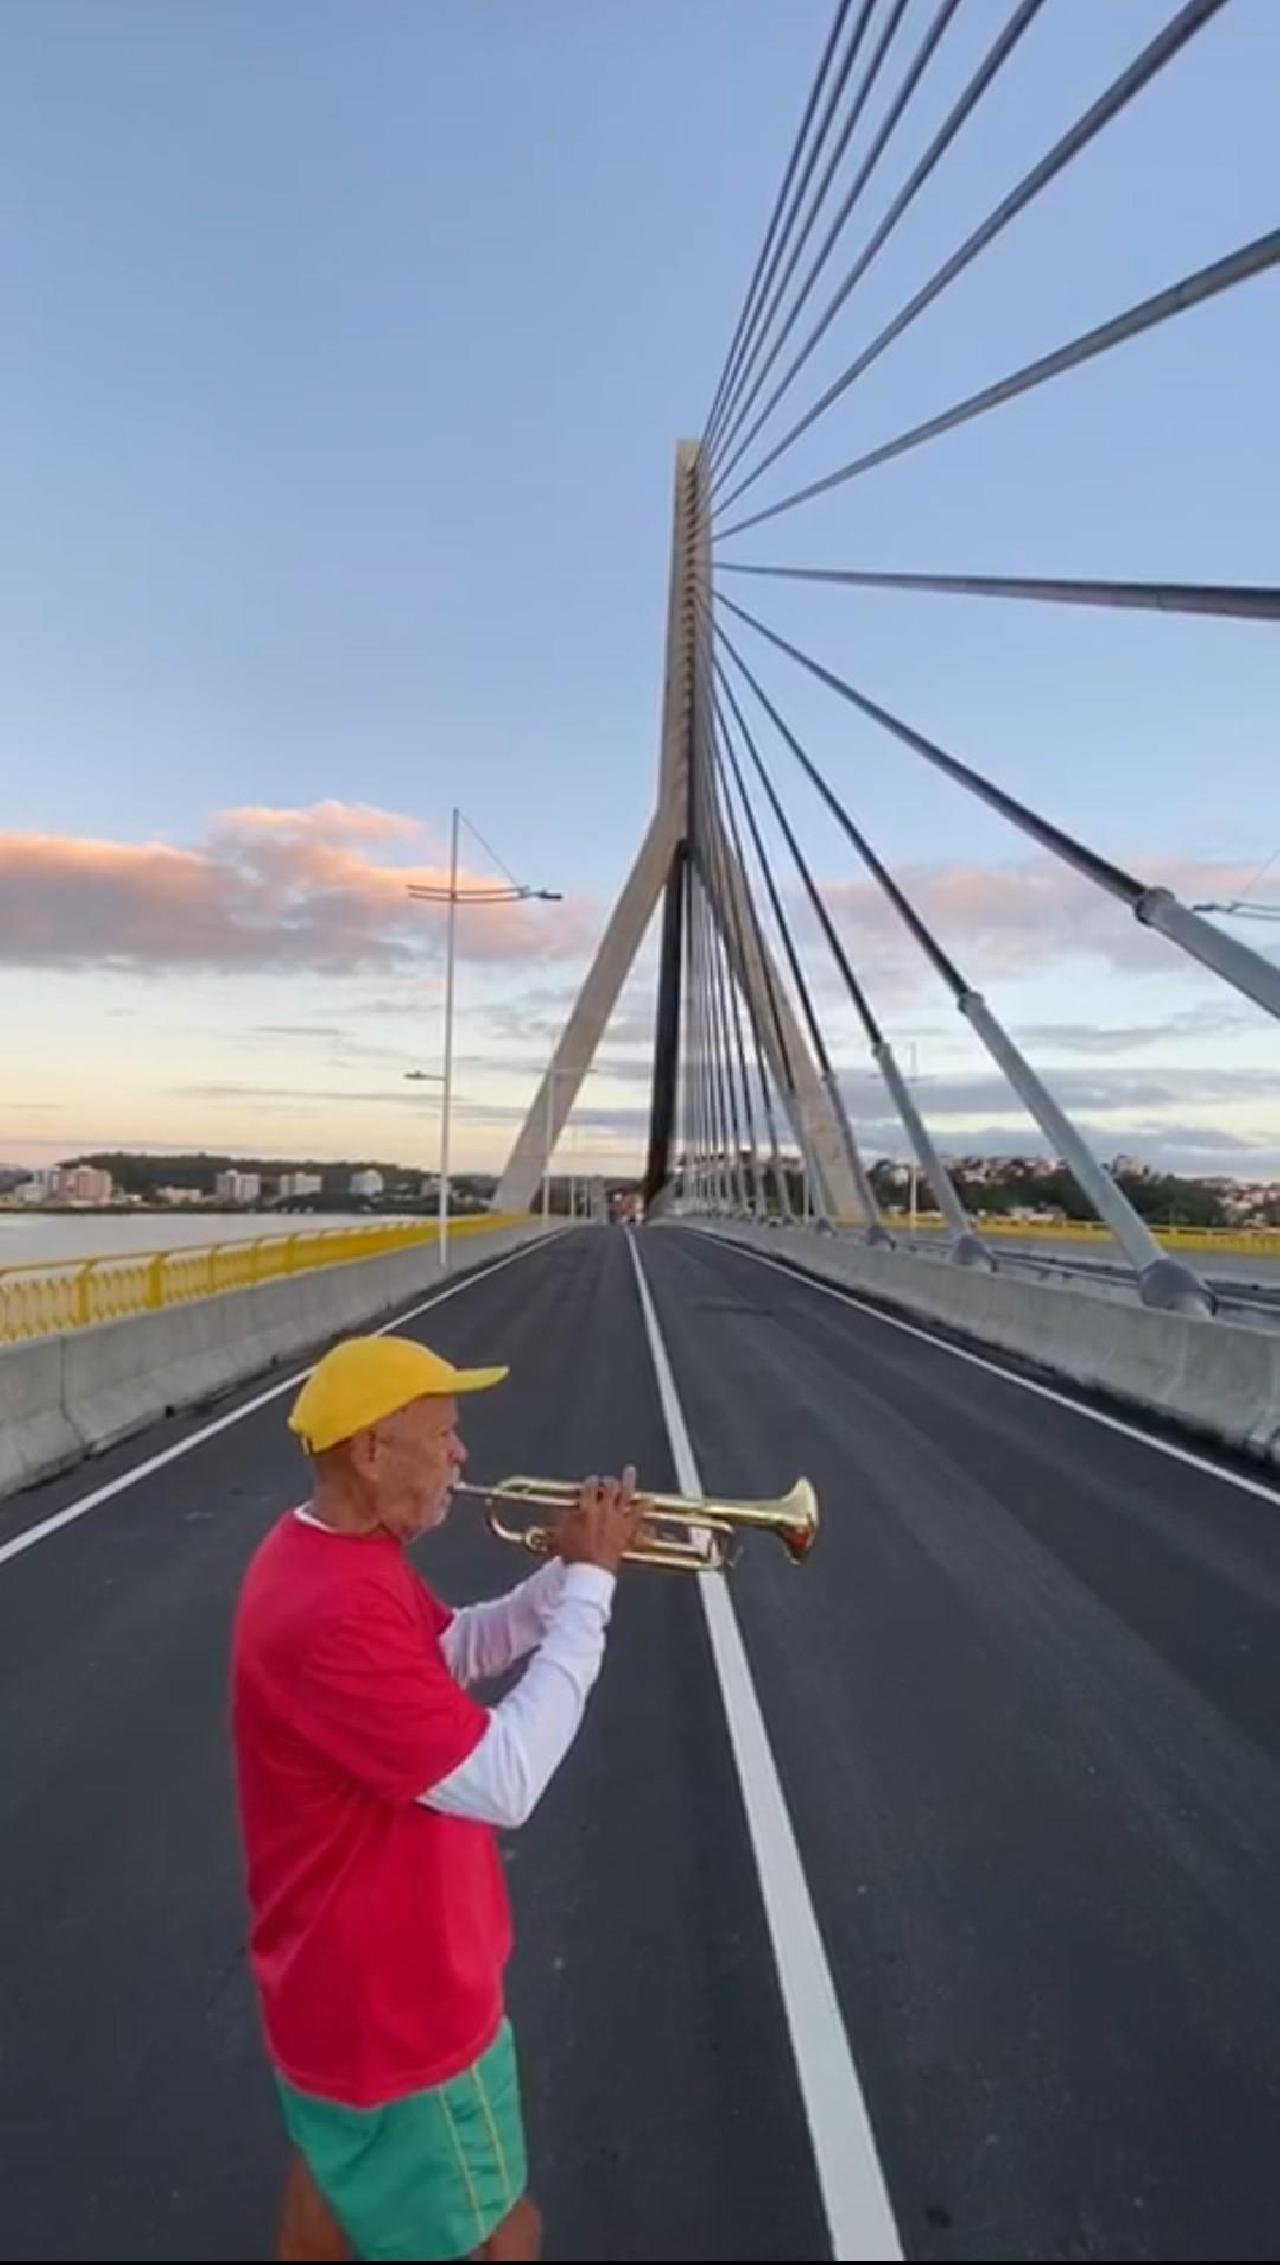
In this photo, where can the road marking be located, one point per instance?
(850, 2179)
(100, 1494)
(1007, 1375)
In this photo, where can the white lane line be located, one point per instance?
(850, 2179)
(100, 1494)
(1008, 1375)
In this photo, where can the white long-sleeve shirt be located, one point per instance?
(561, 1615)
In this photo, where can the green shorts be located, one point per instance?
(427, 2176)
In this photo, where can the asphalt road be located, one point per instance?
(1025, 1709)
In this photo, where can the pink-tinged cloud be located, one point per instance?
(267, 890)
(1007, 920)
(323, 821)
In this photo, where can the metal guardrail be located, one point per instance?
(43, 1300)
(1258, 1242)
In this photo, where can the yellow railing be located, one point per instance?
(44, 1300)
(1262, 1242)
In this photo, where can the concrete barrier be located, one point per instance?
(1213, 1376)
(36, 1434)
(65, 1397)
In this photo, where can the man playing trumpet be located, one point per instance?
(370, 1788)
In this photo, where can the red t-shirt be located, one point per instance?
(380, 1928)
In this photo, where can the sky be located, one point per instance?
(348, 344)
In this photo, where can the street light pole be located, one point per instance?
(546, 1169)
(447, 1099)
(510, 892)
(911, 1209)
(552, 1075)
(434, 1077)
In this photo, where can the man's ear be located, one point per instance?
(363, 1452)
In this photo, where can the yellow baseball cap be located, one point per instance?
(366, 1378)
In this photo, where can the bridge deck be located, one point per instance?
(1025, 1707)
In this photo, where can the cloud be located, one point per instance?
(266, 891)
(541, 1013)
(1204, 1140)
(952, 1104)
(609, 1064)
(511, 1022)
(389, 1095)
(422, 997)
(1168, 1144)
(336, 1037)
(1011, 919)
(1155, 1088)
(1152, 1111)
(609, 1120)
(1092, 1038)
(324, 821)
(423, 1099)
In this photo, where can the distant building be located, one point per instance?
(83, 1183)
(367, 1182)
(67, 1183)
(238, 1187)
(179, 1195)
(293, 1184)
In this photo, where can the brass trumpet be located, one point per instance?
(681, 1533)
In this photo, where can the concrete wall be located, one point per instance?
(64, 1397)
(1214, 1377)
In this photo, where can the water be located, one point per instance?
(55, 1237)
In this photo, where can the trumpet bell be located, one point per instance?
(681, 1533)
(798, 1521)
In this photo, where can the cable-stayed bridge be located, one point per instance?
(920, 1901)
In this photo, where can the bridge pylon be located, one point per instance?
(685, 829)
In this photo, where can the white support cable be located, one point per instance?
(1241, 601)
(967, 1246)
(1160, 51)
(897, 9)
(750, 329)
(736, 1095)
(739, 1088)
(852, 1156)
(1178, 298)
(726, 898)
(1163, 1281)
(915, 71)
(992, 63)
(732, 898)
(1154, 907)
(750, 302)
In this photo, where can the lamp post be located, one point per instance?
(434, 1077)
(912, 1205)
(514, 892)
(1239, 910)
(552, 1075)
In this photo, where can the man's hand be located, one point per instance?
(603, 1522)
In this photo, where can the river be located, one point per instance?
(35, 1237)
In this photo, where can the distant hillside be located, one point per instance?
(144, 1176)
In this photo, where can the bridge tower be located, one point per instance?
(685, 832)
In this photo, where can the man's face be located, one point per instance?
(412, 1459)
